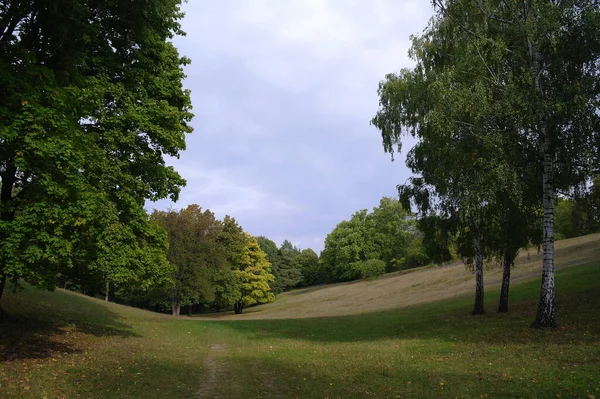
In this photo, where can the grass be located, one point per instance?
(69, 346)
(414, 286)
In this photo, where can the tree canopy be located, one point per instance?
(92, 101)
(388, 234)
(194, 254)
(254, 273)
(504, 101)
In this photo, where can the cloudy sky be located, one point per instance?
(283, 91)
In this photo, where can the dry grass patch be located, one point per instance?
(423, 285)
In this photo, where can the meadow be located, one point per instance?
(65, 345)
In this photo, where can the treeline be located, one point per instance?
(579, 213)
(215, 264)
(292, 267)
(211, 265)
(384, 240)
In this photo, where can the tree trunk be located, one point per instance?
(238, 307)
(2, 285)
(478, 308)
(545, 312)
(6, 190)
(107, 290)
(506, 265)
(175, 308)
(546, 307)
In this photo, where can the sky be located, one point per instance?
(282, 93)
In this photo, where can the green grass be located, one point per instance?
(66, 345)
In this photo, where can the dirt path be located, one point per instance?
(214, 372)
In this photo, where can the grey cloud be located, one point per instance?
(283, 93)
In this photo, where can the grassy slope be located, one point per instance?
(413, 286)
(67, 345)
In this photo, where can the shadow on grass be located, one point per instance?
(577, 299)
(46, 331)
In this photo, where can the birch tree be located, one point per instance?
(550, 74)
(445, 103)
(533, 67)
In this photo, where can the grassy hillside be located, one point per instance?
(63, 345)
(423, 285)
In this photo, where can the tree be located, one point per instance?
(394, 232)
(439, 239)
(274, 258)
(384, 234)
(148, 270)
(194, 253)
(525, 61)
(308, 262)
(579, 213)
(254, 273)
(92, 101)
(461, 163)
(289, 266)
(289, 269)
(227, 290)
(519, 226)
(234, 242)
(346, 244)
(550, 74)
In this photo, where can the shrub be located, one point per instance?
(415, 257)
(370, 268)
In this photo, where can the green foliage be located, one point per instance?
(228, 286)
(308, 262)
(254, 274)
(504, 102)
(580, 215)
(289, 269)
(285, 264)
(415, 256)
(195, 254)
(369, 268)
(342, 248)
(214, 264)
(227, 290)
(274, 258)
(385, 234)
(438, 234)
(92, 101)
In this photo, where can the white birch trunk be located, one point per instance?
(478, 308)
(546, 307)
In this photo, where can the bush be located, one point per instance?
(415, 257)
(370, 268)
